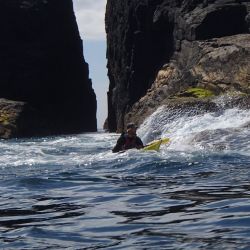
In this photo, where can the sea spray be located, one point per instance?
(190, 130)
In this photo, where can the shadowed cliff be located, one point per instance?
(42, 65)
(157, 50)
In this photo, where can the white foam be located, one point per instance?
(219, 130)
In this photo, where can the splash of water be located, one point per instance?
(225, 129)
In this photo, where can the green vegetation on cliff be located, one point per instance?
(198, 92)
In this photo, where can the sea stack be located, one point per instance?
(43, 70)
(165, 50)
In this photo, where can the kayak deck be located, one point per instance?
(155, 145)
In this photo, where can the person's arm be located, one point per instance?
(119, 144)
(139, 143)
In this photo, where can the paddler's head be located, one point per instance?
(131, 129)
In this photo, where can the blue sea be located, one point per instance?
(72, 192)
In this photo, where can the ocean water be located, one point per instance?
(72, 192)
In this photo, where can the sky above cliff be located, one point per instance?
(90, 18)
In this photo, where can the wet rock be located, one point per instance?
(18, 119)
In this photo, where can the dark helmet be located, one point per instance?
(131, 125)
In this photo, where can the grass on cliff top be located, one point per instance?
(199, 92)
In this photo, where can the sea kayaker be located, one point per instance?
(128, 140)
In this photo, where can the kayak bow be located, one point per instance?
(155, 145)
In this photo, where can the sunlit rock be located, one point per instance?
(158, 49)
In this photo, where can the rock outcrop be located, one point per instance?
(42, 65)
(159, 49)
(19, 119)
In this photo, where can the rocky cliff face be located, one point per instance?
(42, 64)
(159, 49)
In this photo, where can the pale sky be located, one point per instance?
(90, 18)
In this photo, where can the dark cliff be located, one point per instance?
(42, 65)
(160, 48)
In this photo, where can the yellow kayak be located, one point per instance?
(155, 145)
